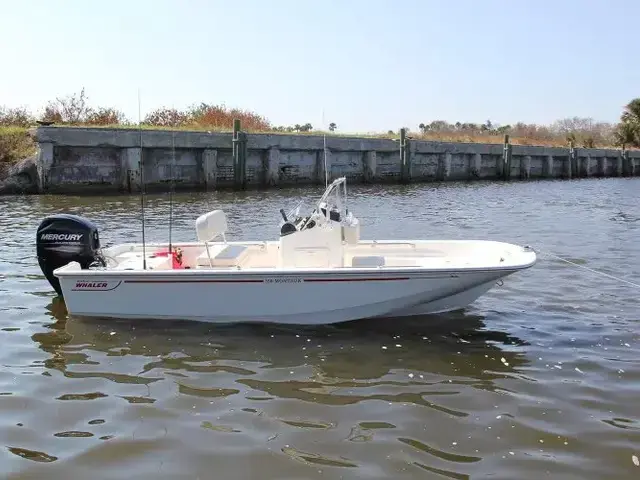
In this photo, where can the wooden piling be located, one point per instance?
(626, 163)
(239, 146)
(507, 154)
(405, 163)
(573, 161)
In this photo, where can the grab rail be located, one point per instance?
(391, 242)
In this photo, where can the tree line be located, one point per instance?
(75, 110)
(584, 132)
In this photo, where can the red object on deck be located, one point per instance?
(176, 261)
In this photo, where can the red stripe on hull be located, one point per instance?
(309, 280)
(194, 281)
(356, 279)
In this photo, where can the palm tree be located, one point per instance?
(632, 110)
(628, 131)
(627, 134)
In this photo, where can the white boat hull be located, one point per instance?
(456, 301)
(278, 297)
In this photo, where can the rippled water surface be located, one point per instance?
(538, 379)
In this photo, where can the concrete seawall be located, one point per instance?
(98, 159)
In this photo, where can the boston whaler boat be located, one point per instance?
(318, 271)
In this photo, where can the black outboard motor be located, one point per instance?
(65, 238)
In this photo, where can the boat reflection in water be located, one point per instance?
(453, 345)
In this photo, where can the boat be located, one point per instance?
(318, 270)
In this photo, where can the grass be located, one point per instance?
(547, 140)
(15, 144)
(462, 137)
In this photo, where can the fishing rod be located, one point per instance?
(142, 191)
(324, 142)
(171, 177)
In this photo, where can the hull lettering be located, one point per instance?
(97, 286)
(283, 280)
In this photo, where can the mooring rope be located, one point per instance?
(613, 277)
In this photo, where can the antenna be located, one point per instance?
(324, 143)
(144, 251)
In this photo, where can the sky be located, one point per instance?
(367, 65)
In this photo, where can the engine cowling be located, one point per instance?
(65, 238)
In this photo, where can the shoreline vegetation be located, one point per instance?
(16, 142)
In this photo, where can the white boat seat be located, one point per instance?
(210, 225)
(368, 261)
(223, 256)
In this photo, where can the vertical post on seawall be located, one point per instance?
(574, 171)
(619, 167)
(243, 153)
(507, 152)
(626, 163)
(238, 142)
(234, 152)
(404, 158)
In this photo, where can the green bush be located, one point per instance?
(15, 144)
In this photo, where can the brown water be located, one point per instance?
(539, 379)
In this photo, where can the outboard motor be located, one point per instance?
(65, 238)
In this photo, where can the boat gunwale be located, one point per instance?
(524, 259)
(415, 273)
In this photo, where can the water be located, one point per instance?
(540, 378)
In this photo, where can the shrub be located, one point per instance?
(15, 145)
(15, 117)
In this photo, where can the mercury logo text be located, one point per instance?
(61, 236)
